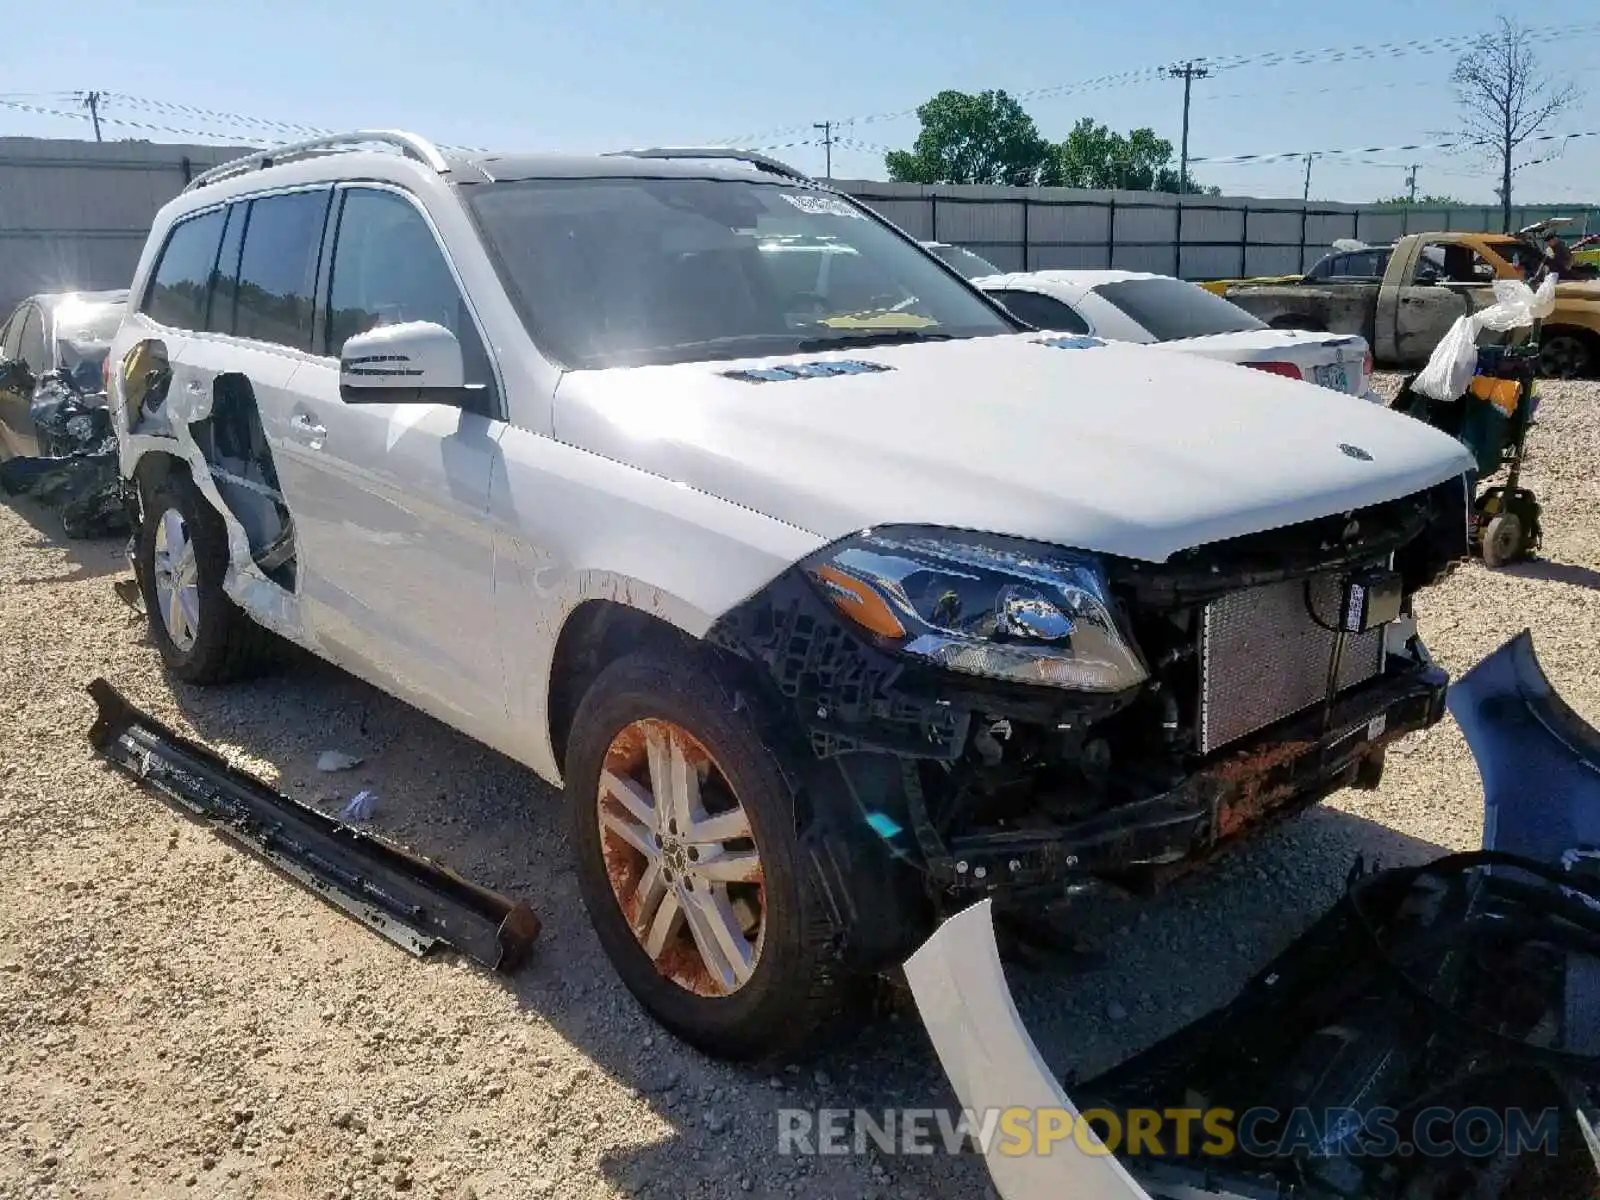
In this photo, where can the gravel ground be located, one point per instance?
(176, 1020)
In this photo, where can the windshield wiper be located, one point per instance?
(876, 337)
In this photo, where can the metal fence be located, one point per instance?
(74, 215)
(1196, 237)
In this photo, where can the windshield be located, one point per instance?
(613, 272)
(1171, 309)
(971, 265)
(87, 324)
(83, 338)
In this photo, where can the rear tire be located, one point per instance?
(181, 557)
(761, 1011)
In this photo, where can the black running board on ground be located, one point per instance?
(416, 904)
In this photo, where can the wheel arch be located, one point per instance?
(151, 468)
(597, 632)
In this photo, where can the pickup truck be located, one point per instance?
(1402, 298)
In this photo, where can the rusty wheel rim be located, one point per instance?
(681, 857)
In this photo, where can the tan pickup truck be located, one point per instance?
(1402, 298)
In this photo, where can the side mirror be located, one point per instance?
(417, 362)
(16, 375)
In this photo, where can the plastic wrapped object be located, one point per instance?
(1455, 359)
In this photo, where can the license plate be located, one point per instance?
(1333, 376)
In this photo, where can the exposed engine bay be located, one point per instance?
(75, 471)
(1218, 690)
(1435, 1035)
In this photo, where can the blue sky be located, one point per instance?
(615, 73)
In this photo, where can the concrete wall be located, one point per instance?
(74, 215)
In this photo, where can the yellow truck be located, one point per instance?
(1402, 298)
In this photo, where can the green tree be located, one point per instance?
(1095, 156)
(966, 138)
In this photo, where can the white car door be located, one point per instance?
(390, 501)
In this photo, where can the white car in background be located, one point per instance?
(1159, 310)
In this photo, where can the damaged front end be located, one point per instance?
(1435, 1035)
(1010, 719)
(76, 469)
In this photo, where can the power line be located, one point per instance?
(1272, 58)
(1337, 89)
(43, 110)
(215, 114)
(1455, 145)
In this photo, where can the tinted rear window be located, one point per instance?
(1042, 312)
(177, 295)
(1171, 309)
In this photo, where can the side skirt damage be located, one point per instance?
(416, 904)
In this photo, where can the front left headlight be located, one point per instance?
(992, 607)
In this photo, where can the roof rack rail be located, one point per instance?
(409, 144)
(770, 165)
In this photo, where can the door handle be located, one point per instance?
(306, 429)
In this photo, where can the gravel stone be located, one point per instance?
(215, 988)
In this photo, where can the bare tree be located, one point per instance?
(1504, 101)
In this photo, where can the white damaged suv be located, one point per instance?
(832, 610)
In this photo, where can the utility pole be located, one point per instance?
(1306, 194)
(827, 147)
(1188, 73)
(1411, 183)
(91, 101)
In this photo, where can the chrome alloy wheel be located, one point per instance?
(682, 858)
(177, 580)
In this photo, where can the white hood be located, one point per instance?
(1120, 449)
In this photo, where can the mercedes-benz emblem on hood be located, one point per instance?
(1355, 452)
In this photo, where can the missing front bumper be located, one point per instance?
(1239, 791)
(1402, 1008)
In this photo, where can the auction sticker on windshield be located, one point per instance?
(822, 206)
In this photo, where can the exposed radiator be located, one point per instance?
(1263, 658)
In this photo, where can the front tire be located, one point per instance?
(1502, 540)
(687, 839)
(1566, 356)
(181, 557)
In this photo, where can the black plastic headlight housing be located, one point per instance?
(992, 607)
